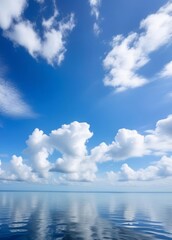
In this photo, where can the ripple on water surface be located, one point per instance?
(85, 216)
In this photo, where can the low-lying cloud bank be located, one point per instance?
(62, 155)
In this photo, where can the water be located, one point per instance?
(87, 216)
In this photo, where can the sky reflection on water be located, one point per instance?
(50, 215)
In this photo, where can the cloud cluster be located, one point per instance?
(129, 54)
(49, 44)
(158, 170)
(95, 5)
(18, 171)
(129, 143)
(70, 142)
(63, 155)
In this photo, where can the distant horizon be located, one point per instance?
(70, 191)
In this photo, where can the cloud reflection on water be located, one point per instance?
(85, 216)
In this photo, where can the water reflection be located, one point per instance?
(86, 216)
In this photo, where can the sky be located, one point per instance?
(85, 95)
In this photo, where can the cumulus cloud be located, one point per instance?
(129, 143)
(160, 169)
(95, 5)
(10, 11)
(63, 155)
(50, 43)
(167, 70)
(1, 171)
(70, 142)
(18, 171)
(37, 151)
(159, 140)
(21, 171)
(11, 101)
(129, 54)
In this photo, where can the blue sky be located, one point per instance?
(85, 95)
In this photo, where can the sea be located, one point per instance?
(85, 215)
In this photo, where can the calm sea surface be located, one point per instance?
(54, 215)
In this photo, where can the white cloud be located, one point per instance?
(96, 29)
(53, 45)
(1, 171)
(159, 141)
(10, 10)
(160, 169)
(95, 5)
(129, 54)
(86, 172)
(130, 143)
(40, 1)
(18, 171)
(127, 144)
(21, 171)
(62, 155)
(50, 44)
(11, 102)
(18, 34)
(167, 70)
(76, 164)
(38, 150)
(48, 23)
(71, 139)
(70, 142)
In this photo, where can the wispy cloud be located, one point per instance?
(95, 5)
(131, 53)
(40, 1)
(12, 103)
(166, 71)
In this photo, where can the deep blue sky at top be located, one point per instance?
(75, 90)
